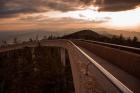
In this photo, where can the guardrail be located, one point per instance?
(121, 47)
(112, 78)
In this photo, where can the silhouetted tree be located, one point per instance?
(121, 39)
(15, 40)
(135, 42)
(129, 40)
(135, 39)
(30, 40)
(4, 42)
(114, 39)
(36, 38)
(51, 37)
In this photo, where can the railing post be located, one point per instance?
(63, 56)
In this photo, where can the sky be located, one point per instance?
(63, 15)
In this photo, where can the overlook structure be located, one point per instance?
(97, 68)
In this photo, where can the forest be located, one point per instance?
(35, 70)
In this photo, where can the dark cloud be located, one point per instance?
(87, 1)
(11, 8)
(118, 5)
(61, 6)
(16, 11)
(113, 5)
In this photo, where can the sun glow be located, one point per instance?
(123, 19)
(126, 19)
(90, 15)
(87, 14)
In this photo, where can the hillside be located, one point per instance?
(83, 34)
(107, 38)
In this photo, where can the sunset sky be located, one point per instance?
(60, 15)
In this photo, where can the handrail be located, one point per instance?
(112, 78)
(121, 47)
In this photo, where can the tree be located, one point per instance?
(128, 39)
(15, 41)
(135, 39)
(121, 39)
(51, 37)
(4, 42)
(36, 38)
(44, 38)
(30, 40)
(114, 39)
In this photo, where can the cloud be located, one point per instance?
(12, 8)
(118, 5)
(113, 5)
(87, 1)
(32, 18)
(62, 5)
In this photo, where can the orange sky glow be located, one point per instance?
(82, 18)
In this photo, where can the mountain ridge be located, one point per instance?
(82, 34)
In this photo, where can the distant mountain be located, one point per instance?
(104, 37)
(26, 35)
(83, 34)
(111, 32)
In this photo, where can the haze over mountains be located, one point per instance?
(110, 32)
(25, 35)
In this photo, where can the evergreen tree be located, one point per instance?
(15, 40)
(135, 39)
